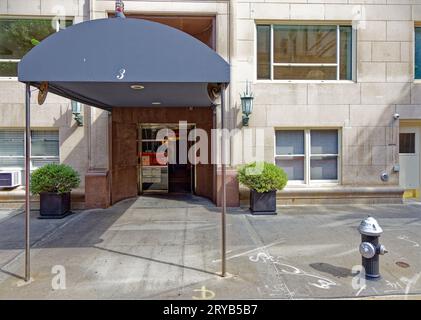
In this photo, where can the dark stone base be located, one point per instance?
(68, 213)
(263, 213)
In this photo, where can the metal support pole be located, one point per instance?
(27, 183)
(224, 194)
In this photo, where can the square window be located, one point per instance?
(305, 52)
(304, 44)
(293, 167)
(324, 168)
(406, 142)
(11, 143)
(8, 69)
(18, 36)
(308, 155)
(290, 142)
(324, 142)
(45, 144)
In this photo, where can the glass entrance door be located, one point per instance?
(156, 174)
(153, 174)
(180, 172)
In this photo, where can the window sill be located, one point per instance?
(8, 78)
(307, 81)
(302, 185)
(341, 189)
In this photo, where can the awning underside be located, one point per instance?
(98, 62)
(106, 95)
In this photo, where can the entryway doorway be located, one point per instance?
(409, 159)
(163, 165)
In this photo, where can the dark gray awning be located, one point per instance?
(96, 62)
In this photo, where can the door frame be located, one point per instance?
(412, 128)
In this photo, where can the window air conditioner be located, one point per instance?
(10, 179)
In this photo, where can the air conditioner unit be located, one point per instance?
(10, 179)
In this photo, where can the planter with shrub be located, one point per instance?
(54, 182)
(263, 179)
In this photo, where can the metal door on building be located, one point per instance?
(409, 159)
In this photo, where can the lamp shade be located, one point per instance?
(76, 107)
(247, 104)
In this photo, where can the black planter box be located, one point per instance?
(53, 205)
(263, 203)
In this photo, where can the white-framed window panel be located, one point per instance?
(309, 156)
(45, 149)
(19, 35)
(417, 52)
(304, 52)
(11, 149)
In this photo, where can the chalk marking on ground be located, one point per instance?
(406, 238)
(361, 289)
(322, 282)
(252, 250)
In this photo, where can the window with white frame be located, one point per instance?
(18, 36)
(11, 149)
(44, 149)
(304, 52)
(417, 64)
(308, 155)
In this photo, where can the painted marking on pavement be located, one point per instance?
(406, 238)
(321, 282)
(206, 294)
(252, 250)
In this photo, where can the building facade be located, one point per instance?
(337, 101)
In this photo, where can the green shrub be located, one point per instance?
(262, 176)
(56, 178)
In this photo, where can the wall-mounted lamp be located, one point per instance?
(247, 104)
(77, 113)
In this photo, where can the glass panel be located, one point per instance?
(152, 133)
(406, 142)
(417, 53)
(38, 163)
(304, 44)
(12, 163)
(294, 167)
(155, 178)
(8, 69)
(324, 168)
(45, 144)
(346, 53)
(11, 143)
(324, 141)
(304, 73)
(263, 52)
(290, 142)
(18, 36)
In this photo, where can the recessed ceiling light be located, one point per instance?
(156, 103)
(137, 87)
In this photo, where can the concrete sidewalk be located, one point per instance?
(159, 248)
